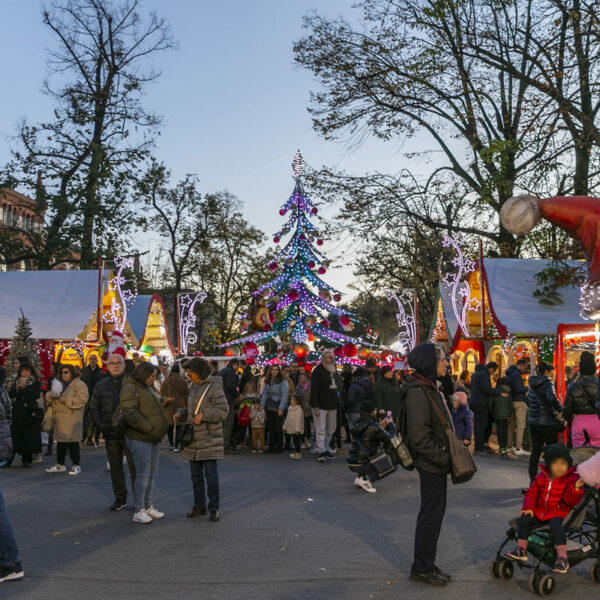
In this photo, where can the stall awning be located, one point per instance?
(511, 284)
(59, 304)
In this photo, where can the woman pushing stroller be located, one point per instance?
(555, 491)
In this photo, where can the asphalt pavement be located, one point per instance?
(289, 530)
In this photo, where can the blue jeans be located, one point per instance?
(9, 553)
(145, 459)
(205, 473)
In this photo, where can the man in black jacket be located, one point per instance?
(102, 407)
(91, 375)
(230, 387)
(479, 403)
(325, 389)
(427, 442)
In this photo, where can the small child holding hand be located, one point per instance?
(294, 424)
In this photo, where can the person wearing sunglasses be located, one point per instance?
(67, 418)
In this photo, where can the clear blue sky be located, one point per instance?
(234, 102)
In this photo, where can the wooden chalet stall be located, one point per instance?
(507, 322)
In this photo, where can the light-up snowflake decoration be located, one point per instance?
(457, 281)
(407, 323)
(123, 298)
(589, 300)
(187, 319)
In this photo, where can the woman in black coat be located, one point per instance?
(27, 415)
(6, 447)
(427, 442)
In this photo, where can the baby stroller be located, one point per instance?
(582, 528)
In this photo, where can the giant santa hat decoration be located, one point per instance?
(579, 216)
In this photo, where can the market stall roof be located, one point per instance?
(59, 304)
(137, 315)
(511, 283)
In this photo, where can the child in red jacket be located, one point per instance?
(554, 492)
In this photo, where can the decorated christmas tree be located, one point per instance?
(298, 306)
(22, 345)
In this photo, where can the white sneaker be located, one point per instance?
(75, 470)
(365, 484)
(295, 455)
(56, 469)
(142, 517)
(154, 514)
(512, 449)
(107, 466)
(521, 452)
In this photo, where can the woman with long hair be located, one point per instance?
(145, 426)
(68, 408)
(26, 413)
(274, 400)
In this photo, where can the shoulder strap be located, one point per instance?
(438, 412)
(201, 400)
(585, 392)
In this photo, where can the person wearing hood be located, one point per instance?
(554, 492)
(367, 437)
(6, 445)
(207, 446)
(481, 393)
(427, 441)
(544, 408)
(360, 389)
(518, 419)
(580, 409)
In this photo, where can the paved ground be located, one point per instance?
(290, 530)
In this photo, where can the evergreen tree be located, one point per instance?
(22, 345)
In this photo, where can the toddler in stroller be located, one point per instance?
(555, 491)
(559, 523)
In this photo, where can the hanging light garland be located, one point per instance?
(187, 319)
(457, 281)
(122, 298)
(405, 300)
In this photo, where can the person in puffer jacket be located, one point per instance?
(367, 437)
(360, 389)
(555, 491)
(581, 410)
(544, 407)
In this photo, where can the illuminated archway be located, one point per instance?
(498, 355)
(470, 359)
(520, 350)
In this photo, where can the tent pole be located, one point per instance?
(482, 291)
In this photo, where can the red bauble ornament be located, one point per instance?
(338, 351)
(337, 297)
(326, 323)
(349, 350)
(301, 350)
(277, 239)
(273, 267)
(293, 294)
(314, 210)
(319, 242)
(344, 320)
(282, 211)
(311, 264)
(322, 270)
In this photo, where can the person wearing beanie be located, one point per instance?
(556, 490)
(462, 417)
(428, 445)
(368, 436)
(581, 410)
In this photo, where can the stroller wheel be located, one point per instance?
(505, 569)
(493, 569)
(595, 572)
(546, 585)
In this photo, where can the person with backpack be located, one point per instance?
(580, 409)
(428, 444)
(360, 389)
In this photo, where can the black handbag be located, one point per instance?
(187, 435)
(381, 463)
(462, 465)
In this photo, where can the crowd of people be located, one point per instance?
(206, 412)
